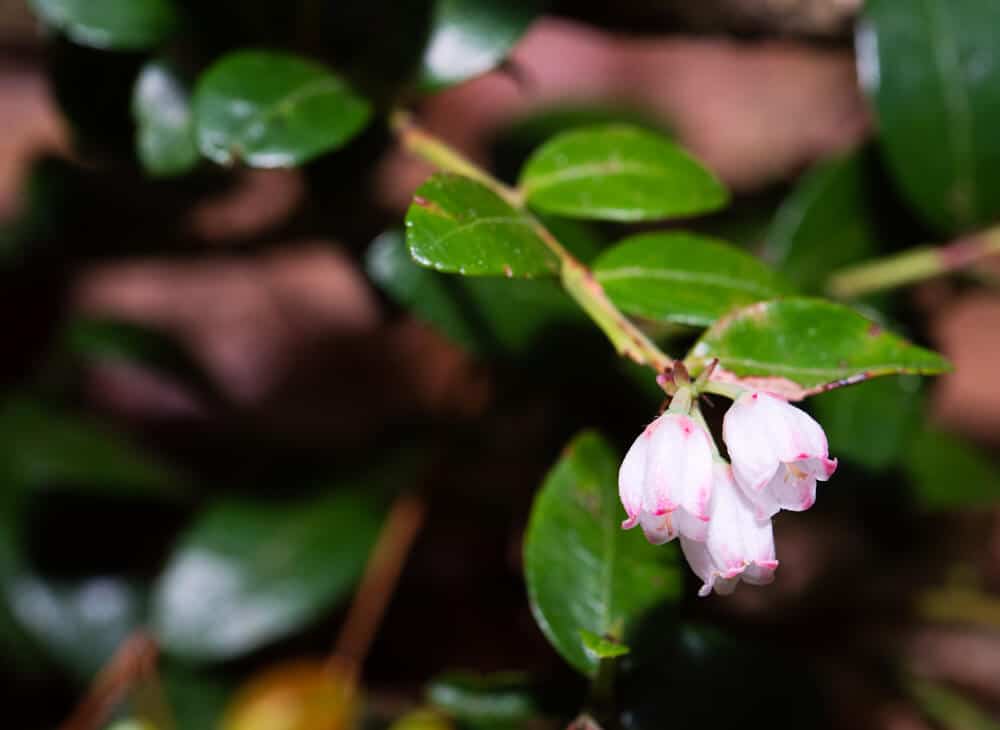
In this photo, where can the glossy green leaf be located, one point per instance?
(826, 223)
(948, 472)
(48, 447)
(249, 572)
(685, 278)
(618, 173)
(799, 346)
(161, 106)
(114, 24)
(939, 57)
(584, 573)
(470, 37)
(514, 144)
(457, 225)
(602, 647)
(104, 340)
(490, 702)
(79, 623)
(273, 110)
(485, 315)
(871, 423)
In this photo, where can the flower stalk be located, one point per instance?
(913, 266)
(578, 280)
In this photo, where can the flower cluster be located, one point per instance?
(673, 483)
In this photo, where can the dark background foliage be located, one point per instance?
(219, 377)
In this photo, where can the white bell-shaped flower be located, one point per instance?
(778, 452)
(665, 481)
(738, 545)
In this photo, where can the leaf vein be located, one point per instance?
(603, 169)
(635, 272)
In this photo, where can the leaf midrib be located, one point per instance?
(806, 370)
(266, 113)
(607, 169)
(680, 275)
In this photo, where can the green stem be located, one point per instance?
(912, 266)
(682, 400)
(720, 387)
(435, 151)
(576, 278)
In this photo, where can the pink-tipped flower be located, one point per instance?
(778, 452)
(665, 481)
(738, 545)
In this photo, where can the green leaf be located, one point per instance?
(249, 572)
(161, 107)
(273, 110)
(48, 447)
(941, 57)
(470, 37)
(871, 423)
(801, 346)
(132, 25)
(602, 647)
(457, 225)
(618, 173)
(491, 702)
(485, 315)
(684, 278)
(826, 223)
(105, 340)
(80, 623)
(584, 572)
(948, 472)
(514, 144)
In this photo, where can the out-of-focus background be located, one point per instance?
(210, 394)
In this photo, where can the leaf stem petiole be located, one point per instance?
(577, 279)
(912, 266)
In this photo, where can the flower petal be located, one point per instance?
(805, 437)
(793, 488)
(679, 471)
(690, 526)
(632, 477)
(658, 529)
(746, 429)
(760, 574)
(738, 545)
(696, 553)
(778, 452)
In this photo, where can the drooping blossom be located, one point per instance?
(778, 452)
(665, 481)
(738, 546)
